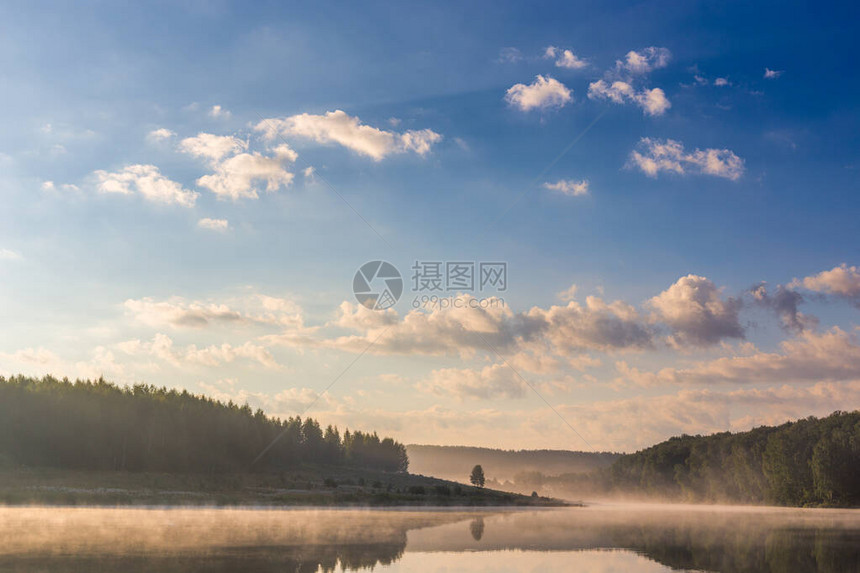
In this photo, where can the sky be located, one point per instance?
(668, 195)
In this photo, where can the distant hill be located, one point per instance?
(810, 462)
(456, 462)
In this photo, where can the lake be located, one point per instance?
(600, 538)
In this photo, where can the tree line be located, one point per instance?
(94, 424)
(810, 462)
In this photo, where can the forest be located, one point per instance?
(97, 425)
(810, 462)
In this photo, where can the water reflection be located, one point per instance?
(630, 538)
(477, 528)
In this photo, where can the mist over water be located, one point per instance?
(622, 537)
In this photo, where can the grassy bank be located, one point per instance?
(308, 485)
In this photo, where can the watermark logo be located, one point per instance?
(377, 285)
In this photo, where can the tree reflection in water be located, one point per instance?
(477, 528)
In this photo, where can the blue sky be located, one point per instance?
(186, 190)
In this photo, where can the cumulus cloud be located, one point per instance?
(569, 187)
(565, 58)
(213, 224)
(841, 281)
(784, 302)
(212, 147)
(654, 155)
(619, 85)
(652, 101)
(644, 61)
(177, 312)
(811, 357)
(236, 177)
(161, 134)
(696, 312)
(722, 82)
(161, 347)
(467, 329)
(219, 112)
(148, 181)
(50, 186)
(544, 93)
(340, 128)
(236, 172)
(597, 325)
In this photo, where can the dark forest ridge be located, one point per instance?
(96, 425)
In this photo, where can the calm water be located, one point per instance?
(632, 538)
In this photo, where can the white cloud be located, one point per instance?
(696, 313)
(811, 357)
(565, 58)
(235, 177)
(467, 329)
(212, 147)
(644, 61)
(653, 102)
(598, 325)
(569, 187)
(654, 156)
(9, 255)
(161, 347)
(236, 174)
(771, 74)
(841, 281)
(161, 134)
(219, 113)
(722, 82)
(338, 127)
(50, 186)
(543, 93)
(148, 181)
(214, 224)
(177, 312)
(619, 85)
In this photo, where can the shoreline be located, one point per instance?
(307, 486)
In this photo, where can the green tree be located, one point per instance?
(477, 476)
